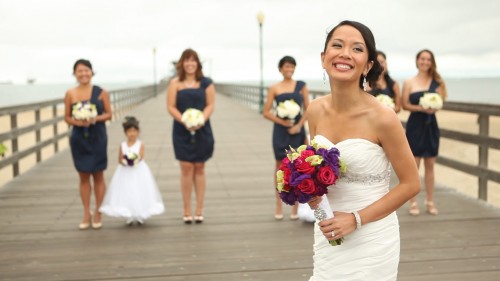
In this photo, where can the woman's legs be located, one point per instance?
(429, 184)
(85, 191)
(187, 177)
(414, 211)
(99, 191)
(199, 187)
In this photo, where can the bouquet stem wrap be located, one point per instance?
(324, 212)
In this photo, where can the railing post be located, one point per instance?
(38, 136)
(15, 148)
(484, 128)
(54, 128)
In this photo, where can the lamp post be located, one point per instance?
(154, 71)
(260, 20)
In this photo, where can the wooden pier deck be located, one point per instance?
(239, 240)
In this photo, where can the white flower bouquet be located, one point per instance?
(431, 101)
(288, 109)
(84, 110)
(385, 100)
(130, 159)
(192, 117)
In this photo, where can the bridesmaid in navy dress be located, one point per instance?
(385, 85)
(286, 132)
(190, 89)
(422, 129)
(88, 140)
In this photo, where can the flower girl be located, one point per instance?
(133, 193)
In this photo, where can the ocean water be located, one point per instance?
(17, 94)
(473, 90)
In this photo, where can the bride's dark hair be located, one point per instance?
(376, 69)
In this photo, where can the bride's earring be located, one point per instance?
(324, 76)
(365, 84)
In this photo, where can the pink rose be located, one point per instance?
(306, 153)
(325, 175)
(307, 186)
(303, 166)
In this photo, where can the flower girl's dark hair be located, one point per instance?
(130, 122)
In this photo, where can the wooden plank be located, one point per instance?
(240, 240)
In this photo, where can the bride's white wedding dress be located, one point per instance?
(372, 252)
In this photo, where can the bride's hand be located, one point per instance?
(341, 225)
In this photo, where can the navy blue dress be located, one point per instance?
(422, 129)
(389, 90)
(201, 147)
(282, 140)
(89, 145)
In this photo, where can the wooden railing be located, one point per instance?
(249, 95)
(121, 102)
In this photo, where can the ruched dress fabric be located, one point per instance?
(89, 144)
(202, 148)
(372, 252)
(422, 129)
(133, 192)
(282, 140)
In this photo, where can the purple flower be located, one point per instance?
(331, 157)
(302, 197)
(288, 197)
(296, 178)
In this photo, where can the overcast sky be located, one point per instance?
(42, 39)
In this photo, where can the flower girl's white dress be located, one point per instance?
(132, 193)
(372, 252)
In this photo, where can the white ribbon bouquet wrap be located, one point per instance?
(192, 118)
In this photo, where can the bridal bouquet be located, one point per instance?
(385, 100)
(192, 117)
(431, 101)
(288, 109)
(84, 111)
(306, 172)
(130, 159)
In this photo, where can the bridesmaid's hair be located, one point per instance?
(434, 73)
(286, 59)
(130, 122)
(388, 79)
(187, 54)
(376, 69)
(83, 62)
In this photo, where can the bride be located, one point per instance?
(370, 139)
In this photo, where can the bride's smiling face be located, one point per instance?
(346, 55)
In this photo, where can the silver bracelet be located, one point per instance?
(358, 219)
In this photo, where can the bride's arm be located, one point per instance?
(393, 140)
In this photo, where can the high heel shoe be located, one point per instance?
(294, 217)
(84, 225)
(96, 225)
(278, 217)
(187, 219)
(431, 209)
(198, 219)
(414, 210)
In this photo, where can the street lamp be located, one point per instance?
(154, 71)
(260, 20)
